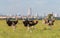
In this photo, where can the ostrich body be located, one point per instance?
(12, 22)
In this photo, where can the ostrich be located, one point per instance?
(12, 22)
(29, 23)
(49, 20)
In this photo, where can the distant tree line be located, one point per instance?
(39, 18)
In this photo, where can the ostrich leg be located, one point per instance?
(28, 28)
(13, 26)
(34, 27)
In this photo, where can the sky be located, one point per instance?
(12, 7)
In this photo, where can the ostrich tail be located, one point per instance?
(36, 22)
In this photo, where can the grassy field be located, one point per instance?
(21, 31)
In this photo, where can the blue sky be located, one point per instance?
(41, 7)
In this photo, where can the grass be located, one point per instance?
(21, 31)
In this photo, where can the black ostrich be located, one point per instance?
(12, 22)
(30, 23)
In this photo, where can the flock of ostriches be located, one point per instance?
(28, 23)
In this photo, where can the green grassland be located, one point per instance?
(21, 31)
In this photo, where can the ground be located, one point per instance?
(21, 31)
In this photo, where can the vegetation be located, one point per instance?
(21, 31)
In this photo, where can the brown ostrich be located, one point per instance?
(49, 19)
